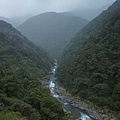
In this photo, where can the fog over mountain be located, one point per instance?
(90, 66)
(14, 23)
(52, 31)
(22, 19)
(15, 8)
(61, 61)
(90, 13)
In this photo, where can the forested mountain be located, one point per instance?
(90, 67)
(52, 31)
(14, 23)
(22, 67)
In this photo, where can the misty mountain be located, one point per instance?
(68, 14)
(22, 67)
(89, 14)
(90, 66)
(21, 19)
(52, 31)
(14, 23)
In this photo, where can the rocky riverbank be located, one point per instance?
(93, 111)
(89, 108)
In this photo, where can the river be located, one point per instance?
(77, 114)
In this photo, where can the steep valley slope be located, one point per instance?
(22, 67)
(90, 66)
(52, 31)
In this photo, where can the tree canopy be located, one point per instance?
(22, 67)
(90, 65)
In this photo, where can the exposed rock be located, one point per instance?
(77, 102)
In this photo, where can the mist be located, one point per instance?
(17, 8)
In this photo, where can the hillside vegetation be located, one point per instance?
(22, 67)
(90, 66)
(52, 31)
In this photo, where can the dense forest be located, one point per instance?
(90, 65)
(22, 67)
(52, 31)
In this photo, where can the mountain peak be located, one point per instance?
(52, 31)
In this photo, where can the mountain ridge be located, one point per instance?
(52, 31)
(23, 66)
(90, 64)
(14, 23)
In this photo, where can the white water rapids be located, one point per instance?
(78, 114)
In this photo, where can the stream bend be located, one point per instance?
(77, 114)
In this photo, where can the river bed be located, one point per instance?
(76, 113)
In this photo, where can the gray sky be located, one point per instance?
(12, 8)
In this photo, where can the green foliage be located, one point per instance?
(48, 106)
(11, 115)
(90, 66)
(101, 89)
(20, 106)
(22, 67)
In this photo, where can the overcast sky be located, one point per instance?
(12, 8)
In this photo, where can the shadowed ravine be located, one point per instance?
(76, 113)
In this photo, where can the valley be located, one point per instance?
(61, 66)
